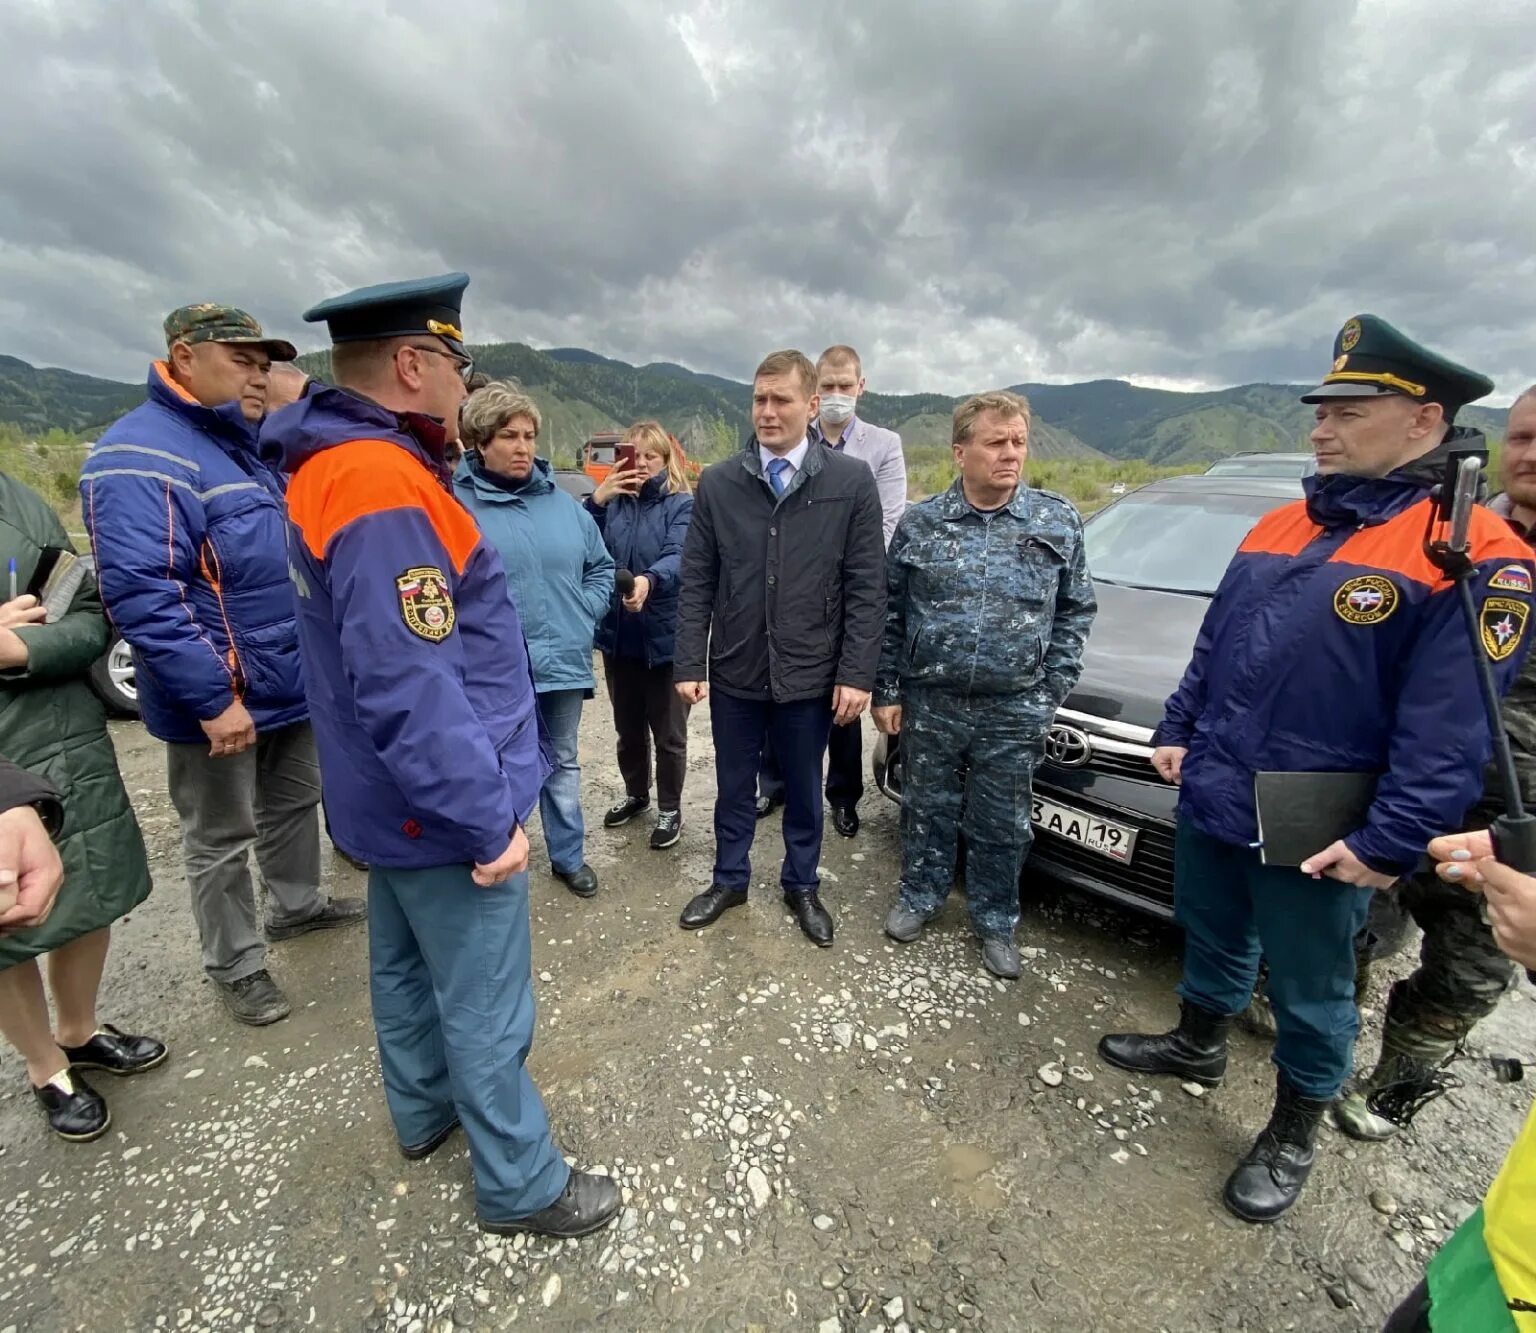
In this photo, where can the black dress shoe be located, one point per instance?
(815, 921)
(76, 1111)
(582, 881)
(116, 1052)
(845, 819)
(416, 1152)
(587, 1203)
(706, 908)
(766, 805)
(337, 912)
(625, 810)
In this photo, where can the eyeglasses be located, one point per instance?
(466, 367)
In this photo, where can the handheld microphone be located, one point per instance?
(623, 583)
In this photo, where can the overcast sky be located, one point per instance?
(1180, 192)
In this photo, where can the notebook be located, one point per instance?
(1302, 813)
(57, 579)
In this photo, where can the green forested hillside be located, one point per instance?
(40, 400)
(580, 392)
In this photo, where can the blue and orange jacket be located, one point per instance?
(1334, 645)
(415, 665)
(191, 549)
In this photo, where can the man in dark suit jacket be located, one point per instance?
(781, 611)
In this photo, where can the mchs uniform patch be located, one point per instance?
(425, 605)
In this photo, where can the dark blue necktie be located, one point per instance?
(778, 474)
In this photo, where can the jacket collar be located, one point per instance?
(327, 416)
(473, 478)
(953, 505)
(815, 457)
(226, 422)
(1340, 501)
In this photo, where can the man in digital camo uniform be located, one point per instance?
(989, 607)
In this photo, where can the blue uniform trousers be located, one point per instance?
(453, 1009)
(799, 734)
(1235, 909)
(969, 769)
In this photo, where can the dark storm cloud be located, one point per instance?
(974, 194)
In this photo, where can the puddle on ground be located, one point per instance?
(964, 1168)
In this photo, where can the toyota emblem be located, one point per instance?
(1066, 747)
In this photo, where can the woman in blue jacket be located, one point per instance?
(643, 514)
(560, 577)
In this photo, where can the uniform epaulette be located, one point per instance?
(1059, 498)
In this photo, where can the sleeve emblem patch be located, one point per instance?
(1367, 600)
(425, 605)
(1502, 622)
(1512, 578)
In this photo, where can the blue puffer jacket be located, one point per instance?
(191, 549)
(644, 534)
(1334, 645)
(558, 570)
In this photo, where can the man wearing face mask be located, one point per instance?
(840, 384)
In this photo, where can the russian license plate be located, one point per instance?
(1104, 836)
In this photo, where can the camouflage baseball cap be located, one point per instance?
(209, 323)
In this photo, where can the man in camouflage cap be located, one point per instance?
(190, 538)
(988, 611)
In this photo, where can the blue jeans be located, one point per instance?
(1233, 908)
(560, 801)
(449, 966)
(799, 734)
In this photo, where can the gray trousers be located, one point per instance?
(267, 796)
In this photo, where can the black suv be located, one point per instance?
(1103, 818)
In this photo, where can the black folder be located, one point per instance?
(1302, 813)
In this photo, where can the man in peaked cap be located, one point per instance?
(187, 526)
(1332, 645)
(419, 682)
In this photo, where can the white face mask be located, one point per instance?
(837, 407)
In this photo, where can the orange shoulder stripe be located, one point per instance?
(1397, 546)
(362, 477)
(1283, 531)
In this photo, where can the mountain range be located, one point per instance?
(580, 392)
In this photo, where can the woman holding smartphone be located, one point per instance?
(642, 509)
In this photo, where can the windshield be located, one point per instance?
(1261, 467)
(1177, 542)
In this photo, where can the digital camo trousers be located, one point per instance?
(969, 768)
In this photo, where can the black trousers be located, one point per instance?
(845, 767)
(799, 732)
(1412, 1316)
(646, 707)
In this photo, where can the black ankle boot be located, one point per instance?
(1271, 1177)
(1195, 1050)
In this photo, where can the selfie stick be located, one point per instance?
(1513, 832)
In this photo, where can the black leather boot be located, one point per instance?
(1271, 1177)
(587, 1204)
(1195, 1050)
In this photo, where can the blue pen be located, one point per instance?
(12, 597)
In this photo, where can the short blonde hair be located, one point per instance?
(1003, 403)
(653, 435)
(840, 354)
(789, 362)
(487, 410)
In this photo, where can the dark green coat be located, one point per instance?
(52, 724)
